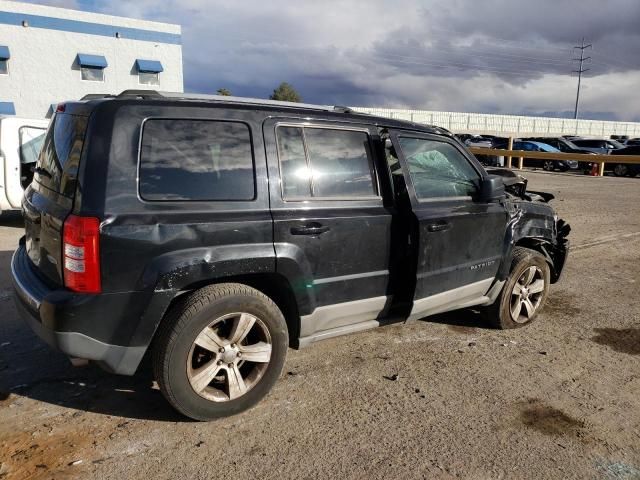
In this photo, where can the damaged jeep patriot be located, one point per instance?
(215, 232)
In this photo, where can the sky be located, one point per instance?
(494, 56)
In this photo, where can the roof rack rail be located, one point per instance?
(220, 98)
(95, 96)
(154, 94)
(139, 93)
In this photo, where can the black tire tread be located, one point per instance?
(492, 312)
(179, 316)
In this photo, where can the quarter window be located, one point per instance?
(438, 169)
(92, 74)
(31, 141)
(196, 160)
(325, 163)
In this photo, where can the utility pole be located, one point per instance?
(580, 71)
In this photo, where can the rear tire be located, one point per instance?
(220, 350)
(548, 166)
(524, 292)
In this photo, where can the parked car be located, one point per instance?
(500, 142)
(632, 142)
(480, 141)
(217, 232)
(20, 143)
(603, 147)
(619, 138)
(473, 140)
(549, 165)
(565, 146)
(625, 169)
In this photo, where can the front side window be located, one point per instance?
(196, 160)
(325, 163)
(92, 74)
(4, 66)
(148, 78)
(438, 169)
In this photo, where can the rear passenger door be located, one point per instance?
(460, 241)
(329, 220)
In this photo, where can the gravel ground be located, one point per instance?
(445, 397)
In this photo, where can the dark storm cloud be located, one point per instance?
(492, 56)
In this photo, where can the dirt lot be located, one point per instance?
(560, 399)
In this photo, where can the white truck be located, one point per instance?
(20, 143)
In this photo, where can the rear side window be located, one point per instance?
(325, 163)
(197, 160)
(57, 166)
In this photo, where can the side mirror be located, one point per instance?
(491, 189)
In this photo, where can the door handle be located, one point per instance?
(310, 229)
(439, 227)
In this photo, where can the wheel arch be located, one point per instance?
(272, 284)
(543, 247)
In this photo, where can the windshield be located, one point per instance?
(31, 140)
(567, 143)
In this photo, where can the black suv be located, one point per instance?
(217, 232)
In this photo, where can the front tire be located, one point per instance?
(220, 351)
(524, 292)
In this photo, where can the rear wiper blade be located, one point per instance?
(43, 171)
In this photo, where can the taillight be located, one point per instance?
(81, 254)
(61, 107)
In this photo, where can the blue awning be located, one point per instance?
(7, 108)
(96, 61)
(4, 53)
(149, 66)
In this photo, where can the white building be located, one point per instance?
(48, 55)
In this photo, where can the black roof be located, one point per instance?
(89, 102)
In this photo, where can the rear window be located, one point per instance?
(197, 160)
(57, 166)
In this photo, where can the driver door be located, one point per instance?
(459, 241)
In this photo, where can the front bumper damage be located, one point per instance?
(558, 252)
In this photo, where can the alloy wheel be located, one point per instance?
(229, 357)
(526, 295)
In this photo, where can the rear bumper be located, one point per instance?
(73, 323)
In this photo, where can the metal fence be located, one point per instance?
(514, 125)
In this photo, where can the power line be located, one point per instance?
(473, 52)
(580, 71)
(444, 63)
